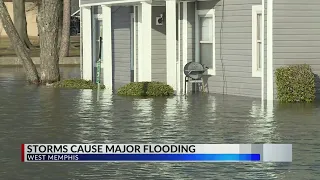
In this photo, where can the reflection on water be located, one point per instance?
(31, 114)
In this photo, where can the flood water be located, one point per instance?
(30, 114)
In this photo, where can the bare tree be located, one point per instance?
(0, 29)
(48, 23)
(60, 25)
(20, 22)
(65, 36)
(18, 45)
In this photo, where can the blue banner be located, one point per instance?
(145, 157)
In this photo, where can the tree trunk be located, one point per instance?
(20, 22)
(18, 45)
(65, 36)
(60, 28)
(48, 19)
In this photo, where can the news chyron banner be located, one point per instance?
(156, 153)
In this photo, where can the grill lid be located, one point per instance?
(194, 70)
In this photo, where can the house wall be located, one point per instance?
(31, 15)
(191, 38)
(158, 47)
(233, 38)
(121, 27)
(296, 35)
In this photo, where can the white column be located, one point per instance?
(262, 53)
(171, 35)
(140, 39)
(145, 42)
(135, 43)
(270, 50)
(185, 39)
(87, 43)
(107, 46)
(178, 62)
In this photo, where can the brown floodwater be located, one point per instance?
(30, 114)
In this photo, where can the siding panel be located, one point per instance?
(233, 48)
(159, 72)
(296, 31)
(265, 49)
(191, 38)
(121, 25)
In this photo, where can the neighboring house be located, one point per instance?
(242, 42)
(31, 17)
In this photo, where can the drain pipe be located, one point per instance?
(81, 46)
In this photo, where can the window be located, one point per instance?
(205, 38)
(257, 40)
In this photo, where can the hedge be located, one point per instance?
(146, 89)
(76, 84)
(295, 83)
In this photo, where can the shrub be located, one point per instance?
(146, 89)
(295, 83)
(76, 84)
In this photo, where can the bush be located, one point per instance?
(146, 89)
(76, 84)
(295, 83)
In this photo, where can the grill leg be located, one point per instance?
(185, 85)
(202, 85)
(205, 87)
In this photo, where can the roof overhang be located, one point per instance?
(127, 2)
(115, 2)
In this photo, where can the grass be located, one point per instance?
(7, 51)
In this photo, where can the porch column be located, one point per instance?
(107, 47)
(185, 40)
(171, 42)
(144, 44)
(86, 43)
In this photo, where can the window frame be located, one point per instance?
(256, 10)
(211, 14)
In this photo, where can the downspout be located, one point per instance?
(81, 46)
(263, 56)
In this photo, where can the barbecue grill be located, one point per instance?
(193, 72)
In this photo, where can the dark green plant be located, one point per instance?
(77, 84)
(295, 83)
(146, 89)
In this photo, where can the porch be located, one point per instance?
(158, 41)
(227, 38)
